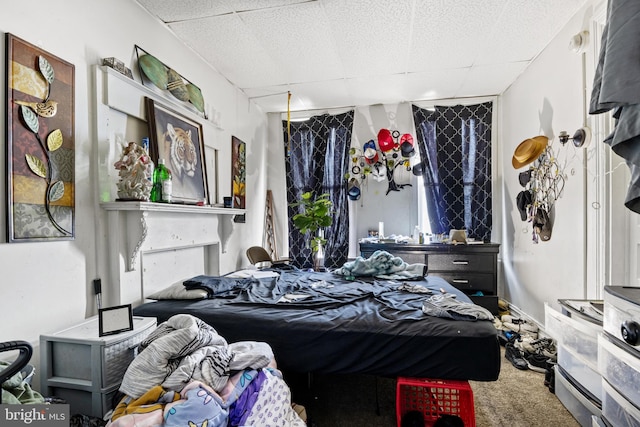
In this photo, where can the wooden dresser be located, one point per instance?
(471, 268)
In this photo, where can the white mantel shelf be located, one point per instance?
(133, 217)
(170, 207)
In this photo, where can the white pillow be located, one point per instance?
(178, 291)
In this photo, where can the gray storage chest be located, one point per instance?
(85, 369)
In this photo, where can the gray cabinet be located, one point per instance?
(86, 370)
(471, 268)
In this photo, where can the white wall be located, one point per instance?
(47, 285)
(546, 99)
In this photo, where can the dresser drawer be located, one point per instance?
(468, 281)
(461, 262)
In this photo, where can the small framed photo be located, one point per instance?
(113, 320)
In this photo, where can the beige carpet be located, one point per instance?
(517, 399)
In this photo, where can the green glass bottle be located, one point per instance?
(161, 190)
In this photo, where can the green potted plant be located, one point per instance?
(315, 217)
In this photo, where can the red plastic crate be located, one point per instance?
(434, 398)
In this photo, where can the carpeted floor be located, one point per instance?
(517, 399)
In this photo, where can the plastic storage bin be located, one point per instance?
(576, 403)
(434, 398)
(584, 373)
(579, 336)
(617, 410)
(619, 368)
(622, 311)
(85, 369)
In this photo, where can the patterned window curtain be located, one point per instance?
(317, 160)
(455, 148)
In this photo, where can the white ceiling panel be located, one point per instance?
(333, 53)
(450, 35)
(485, 79)
(435, 84)
(371, 36)
(320, 95)
(525, 28)
(219, 39)
(296, 38)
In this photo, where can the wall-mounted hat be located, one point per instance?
(354, 189)
(528, 151)
(418, 169)
(406, 145)
(369, 144)
(371, 155)
(542, 224)
(523, 201)
(524, 177)
(385, 140)
(379, 171)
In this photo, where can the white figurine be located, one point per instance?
(136, 169)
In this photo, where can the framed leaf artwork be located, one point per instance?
(40, 142)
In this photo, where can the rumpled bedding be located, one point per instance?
(448, 307)
(383, 265)
(186, 374)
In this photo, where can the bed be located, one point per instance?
(320, 322)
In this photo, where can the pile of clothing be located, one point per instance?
(187, 374)
(383, 265)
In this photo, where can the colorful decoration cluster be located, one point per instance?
(384, 159)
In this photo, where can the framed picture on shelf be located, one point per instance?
(178, 140)
(238, 175)
(40, 144)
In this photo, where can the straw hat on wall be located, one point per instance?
(529, 150)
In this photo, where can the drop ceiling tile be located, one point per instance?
(526, 28)
(490, 79)
(296, 37)
(226, 43)
(435, 84)
(383, 89)
(175, 11)
(319, 95)
(371, 36)
(270, 98)
(305, 96)
(449, 34)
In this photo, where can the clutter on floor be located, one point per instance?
(524, 349)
